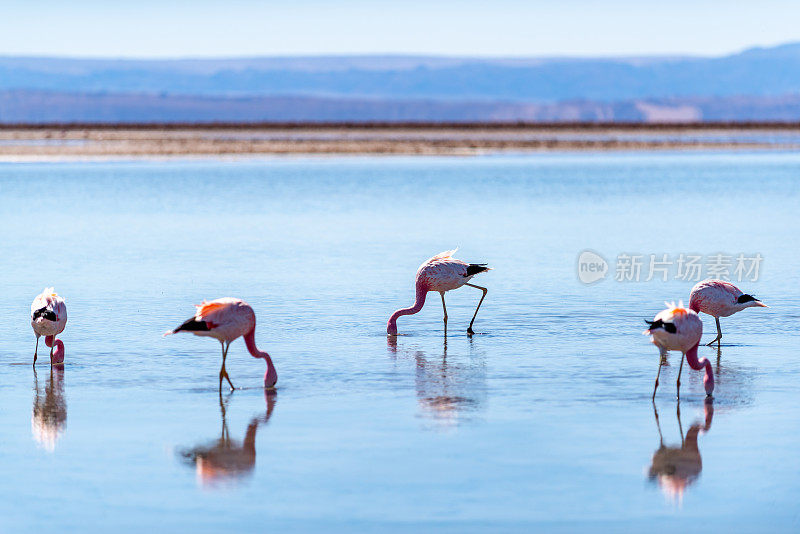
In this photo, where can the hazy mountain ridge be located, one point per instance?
(765, 72)
(756, 84)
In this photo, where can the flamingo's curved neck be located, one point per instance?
(271, 375)
(694, 305)
(58, 353)
(699, 364)
(419, 302)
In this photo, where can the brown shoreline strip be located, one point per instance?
(109, 140)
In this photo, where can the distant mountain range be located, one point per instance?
(43, 106)
(757, 84)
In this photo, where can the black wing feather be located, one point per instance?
(45, 313)
(655, 325)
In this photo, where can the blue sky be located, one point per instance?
(181, 28)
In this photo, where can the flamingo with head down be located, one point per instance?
(225, 320)
(48, 319)
(677, 328)
(441, 273)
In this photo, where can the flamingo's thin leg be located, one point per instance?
(444, 307)
(718, 339)
(660, 363)
(680, 370)
(36, 350)
(52, 346)
(227, 376)
(223, 373)
(469, 330)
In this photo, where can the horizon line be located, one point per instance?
(401, 55)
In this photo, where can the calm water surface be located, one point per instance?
(543, 421)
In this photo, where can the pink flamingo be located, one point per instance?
(718, 299)
(48, 319)
(225, 320)
(441, 273)
(677, 328)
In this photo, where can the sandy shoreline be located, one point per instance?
(28, 142)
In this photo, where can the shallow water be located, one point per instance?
(542, 420)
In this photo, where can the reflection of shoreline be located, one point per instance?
(225, 460)
(676, 468)
(447, 393)
(49, 418)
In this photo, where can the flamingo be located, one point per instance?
(677, 328)
(225, 320)
(48, 319)
(718, 299)
(441, 273)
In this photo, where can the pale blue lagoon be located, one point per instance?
(540, 422)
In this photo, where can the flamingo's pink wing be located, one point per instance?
(211, 313)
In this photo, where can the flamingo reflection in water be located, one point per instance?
(677, 468)
(447, 393)
(225, 460)
(49, 418)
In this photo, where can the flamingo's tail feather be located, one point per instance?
(475, 268)
(190, 325)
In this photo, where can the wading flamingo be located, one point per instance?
(48, 319)
(225, 320)
(718, 299)
(441, 273)
(677, 328)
